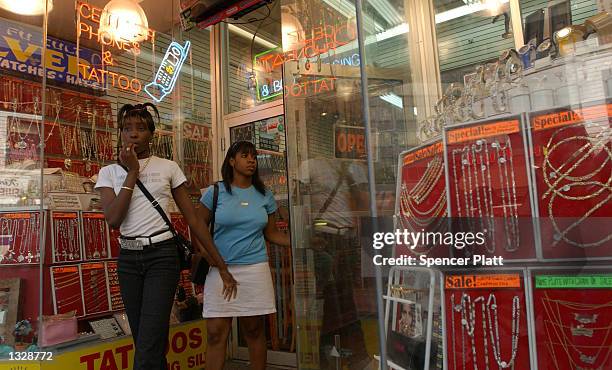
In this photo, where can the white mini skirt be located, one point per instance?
(255, 292)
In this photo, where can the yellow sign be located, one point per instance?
(186, 350)
(18, 365)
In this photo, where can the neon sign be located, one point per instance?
(90, 27)
(168, 71)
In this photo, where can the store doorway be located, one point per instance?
(265, 127)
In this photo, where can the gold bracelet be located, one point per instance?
(126, 188)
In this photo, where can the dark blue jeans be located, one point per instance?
(148, 281)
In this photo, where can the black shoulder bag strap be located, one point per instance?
(154, 202)
(214, 209)
(343, 171)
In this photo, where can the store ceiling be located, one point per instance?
(442, 5)
(62, 19)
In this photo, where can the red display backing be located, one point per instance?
(459, 342)
(555, 321)
(95, 235)
(114, 242)
(19, 238)
(66, 236)
(422, 198)
(95, 289)
(67, 287)
(113, 286)
(489, 187)
(180, 225)
(572, 158)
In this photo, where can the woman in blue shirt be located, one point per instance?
(244, 220)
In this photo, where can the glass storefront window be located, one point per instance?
(254, 78)
(59, 127)
(22, 114)
(470, 34)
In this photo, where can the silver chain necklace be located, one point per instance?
(494, 330)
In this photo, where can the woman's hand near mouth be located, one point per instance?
(128, 157)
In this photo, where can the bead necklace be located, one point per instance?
(453, 349)
(510, 210)
(468, 319)
(487, 190)
(26, 231)
(494, 330)
(456, 181)
(484, 331)
(474, 186)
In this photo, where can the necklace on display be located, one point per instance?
(57, 109)
(508, 194)
(68, 137)
(494, 330)
(560, 173)
(487, 191)
(557, 324)
(456, 182)
(21, 144)
(453, 339)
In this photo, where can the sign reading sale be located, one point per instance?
(186, 350)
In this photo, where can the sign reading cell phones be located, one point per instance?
(349, 142)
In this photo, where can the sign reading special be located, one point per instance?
(21, 51)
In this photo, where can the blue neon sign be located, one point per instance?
(168, 71)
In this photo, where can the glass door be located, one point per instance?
(265, 127)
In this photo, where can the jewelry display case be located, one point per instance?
(79, 268)
(573, 308)
(572, 168)
(422, 204)
(486, 320)
(489, 188)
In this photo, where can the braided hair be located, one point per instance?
(138, 112)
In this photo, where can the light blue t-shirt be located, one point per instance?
(239, 223)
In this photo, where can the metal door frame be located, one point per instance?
(261, 112)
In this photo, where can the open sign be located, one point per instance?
(349, 142)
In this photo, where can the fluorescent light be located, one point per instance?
(392, 32)
(244, 33)
(383, 8)
(27, 7)
(393, 99)
(465, 10)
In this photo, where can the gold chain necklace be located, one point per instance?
(145, 165)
